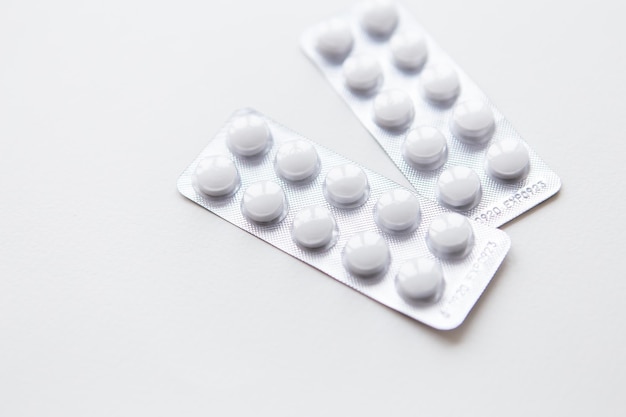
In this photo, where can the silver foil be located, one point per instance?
(501, 202)
(465, 279)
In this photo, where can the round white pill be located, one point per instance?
(473, 121)
(366, 254)
(393, 109)
(264, 202)
(362, 72)
(379, 17)
(409, 50)
(420, 279)
(249, 135)
(397, 211)
(314, 227)
(425, 147)
(508, 160)
(297, 160)
(334, 39)
(346, 186)
(440, 83)
(217, 176)
(459, 188)
(450, 235)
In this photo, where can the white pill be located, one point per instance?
(420, 279)
(366, 254)
(459, 188)
(264, 202)
(450, 235)
(297, 160)
(425, 147)
(362, 72)
(409, 50)
(346, 186)
(249, 135)
(440, 83)
(508, 160)
(473, 121)
(314, 227)
(379, 17)
(217, 176)
(393, 109)
(334, 39)
(397, 211)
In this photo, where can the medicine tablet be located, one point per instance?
(397, 211)
(249, 136)
(450, 235)
(473, 121)
(297, 160)
(264, 202)
(379, 17)
(420, 279)
(217, 176)
(346, 186)
(362, 72)
(334, 39)
(314, 227)
(425, 147)
(393, 109)
(366, 254)
(459, 188)
(508, 160)
(409, 50)
(440, 83)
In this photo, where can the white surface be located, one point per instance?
(120, 297)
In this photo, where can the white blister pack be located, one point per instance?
(437, 126)
(355, 225)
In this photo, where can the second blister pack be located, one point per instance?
(434, 122)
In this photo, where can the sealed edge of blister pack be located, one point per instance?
(368, 239)
(379, 59)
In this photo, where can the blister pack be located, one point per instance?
(355, 225)
(437, 126)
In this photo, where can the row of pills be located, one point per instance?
(355, 225)
(346, 186)
(396, 78)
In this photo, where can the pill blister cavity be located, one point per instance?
(459, 188)
(334, 39)
(507, 160)
(450, 235)
(440, 83)
(366, 254)
(397, 211)
(409, 50)
(216, 176)
(314, 228)
(249, 136)
(346, 186)
(297, 160)
(264, 202)
(425, 148)
(379, 18)
(393, 109)
(420, 279)
(473, 122)
(362, 72)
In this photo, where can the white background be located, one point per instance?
(119, 297)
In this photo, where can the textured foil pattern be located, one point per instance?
(465, 279)
(501, 202)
